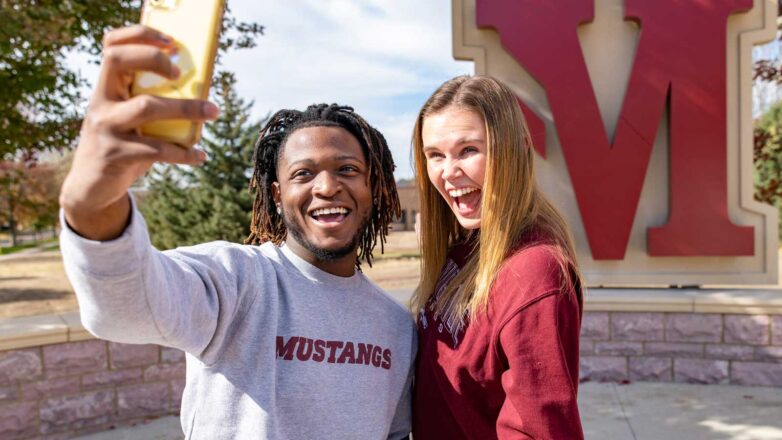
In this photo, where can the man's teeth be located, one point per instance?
(327, 211)
(460, 192)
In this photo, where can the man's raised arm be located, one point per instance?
(111, 154)
(129, 291)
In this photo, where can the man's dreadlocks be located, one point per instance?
(267, 224)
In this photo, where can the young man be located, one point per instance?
(283, 340)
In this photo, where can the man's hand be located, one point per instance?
(112, 154)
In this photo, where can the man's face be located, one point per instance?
(324, 192)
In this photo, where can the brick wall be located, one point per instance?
(60, 390)
(682, 347)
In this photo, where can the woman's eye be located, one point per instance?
(300, 173)
(467, 150)
(432, 156)
(349, 169)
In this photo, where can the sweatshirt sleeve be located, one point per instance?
(130, 292)
(539, 344)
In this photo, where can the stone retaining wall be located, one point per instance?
(61, 390)
(57, 381)
(706, 348)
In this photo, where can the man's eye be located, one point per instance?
(349, 169)
(300, 173)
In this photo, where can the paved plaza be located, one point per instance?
(637, 411)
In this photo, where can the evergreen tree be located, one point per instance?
(165, 206)
(185, 205)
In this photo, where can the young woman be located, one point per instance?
(499, 300)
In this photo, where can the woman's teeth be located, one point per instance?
(460, 192)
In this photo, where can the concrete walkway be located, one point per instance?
(654, 411)
(638, 411)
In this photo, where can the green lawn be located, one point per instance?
(49, 245)
(11, 249)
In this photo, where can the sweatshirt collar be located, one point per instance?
(320, 276)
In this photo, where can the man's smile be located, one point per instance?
(329, 216)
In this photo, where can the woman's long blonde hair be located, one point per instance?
(511, 205)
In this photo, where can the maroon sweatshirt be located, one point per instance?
(511, 374)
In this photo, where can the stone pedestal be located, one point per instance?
(707, 335)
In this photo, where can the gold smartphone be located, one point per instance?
(195, 27)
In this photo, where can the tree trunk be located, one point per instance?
(14, 238)
(12, 220)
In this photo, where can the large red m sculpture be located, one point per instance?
(680, 62)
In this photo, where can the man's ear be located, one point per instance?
(276, 195)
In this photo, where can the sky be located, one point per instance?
(383, 58)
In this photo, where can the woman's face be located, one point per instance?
(455, 148)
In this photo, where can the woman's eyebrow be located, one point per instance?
(466, 140)
(460, 141)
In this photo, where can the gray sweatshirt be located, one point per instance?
(276, 348)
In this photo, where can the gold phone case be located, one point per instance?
(195, 27)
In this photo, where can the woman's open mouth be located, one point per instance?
(466, 201)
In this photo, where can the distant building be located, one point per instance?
(408, 198)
